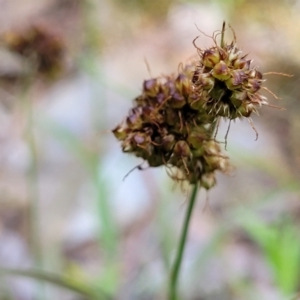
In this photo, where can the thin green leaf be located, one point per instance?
(61, 281)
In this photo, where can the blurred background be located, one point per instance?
(70, 227)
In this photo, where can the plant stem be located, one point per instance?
(33, 193)
(222, 35)
(177, 264)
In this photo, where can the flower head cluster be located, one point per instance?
(226, 83)
(173, 121)
(167, 127)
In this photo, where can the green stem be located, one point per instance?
(177, 264)
(33, 178)
(222, 35)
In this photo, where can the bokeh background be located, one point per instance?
(70, 226)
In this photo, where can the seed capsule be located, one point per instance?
(134, 120)
(234, 53)
(236, 79)
(253, 85)
(121, 132)
(211, 57)
(208, 180)
(239, 95)
(169, 88)
(195, 102)
(197, 136)
(212, 147)
(182, 149)
(241, 63)
(205, 81)
(168, 142)
(177, 100)
(151, 115)
(221, 71)
(150, 87)
(183, 84)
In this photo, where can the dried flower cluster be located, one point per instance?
(41, 47)
(166, 127)
(174, 119)
(226, 84)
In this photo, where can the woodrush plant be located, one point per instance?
(174, 121)
(42, 49)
